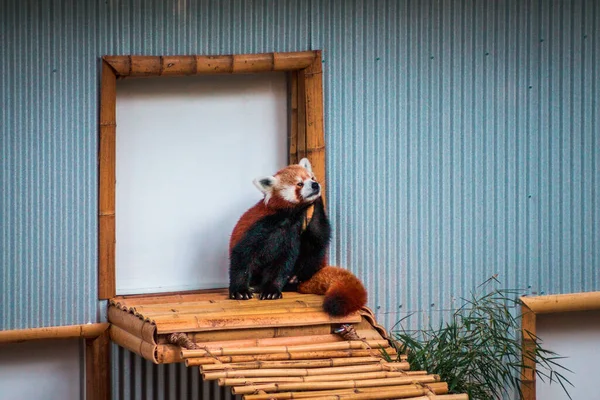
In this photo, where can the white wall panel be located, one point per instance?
(49, 370)
(187, 152)
(575, 336)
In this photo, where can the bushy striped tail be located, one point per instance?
(344, 292)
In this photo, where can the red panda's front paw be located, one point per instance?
(270, 292)
(240, 294)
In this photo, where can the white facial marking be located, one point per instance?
(307, 192)
(289, 194)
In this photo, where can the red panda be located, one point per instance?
(269, 248)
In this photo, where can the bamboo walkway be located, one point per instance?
(282, 349)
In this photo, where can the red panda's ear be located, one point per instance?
(306, 164)
(265, 185)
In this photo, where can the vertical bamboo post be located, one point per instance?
(97, 368)
(301, 135)
(528, 330)
(107, 179)
(315, 135)
(293, 117)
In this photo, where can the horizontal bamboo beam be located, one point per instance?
(255, 333)
(218, 64)
(402, 391)
(260, 372)
(215, 307)
(286, 341)
(586, 301)
(192, 322)
(87, 331)
(170, 297)
(224, 313)
(309, 355)
(350, 384)
(346, 345)
(318, 363)
(316, 378)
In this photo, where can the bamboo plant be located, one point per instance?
(479, 350)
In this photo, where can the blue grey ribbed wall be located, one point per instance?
(463, 140)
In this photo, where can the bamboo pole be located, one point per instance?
(318, 378)
(202, 295)
(315, 137)
(407, 393)
(133, 343)
(132, 324)
(178, 65)
(303, 330)
(345, 345)
(224, 313)
(263, 372)
(107, 179)
(281, 357)
(256, 333)
(350, 384)
(213, 307)
(301, 131)
(571, 302)
(192, 322)
(173, 297)
(528, 332)
(293, 117)
(391, 391)
(318, 363)
(192, 65)
(295, 340)
(168, 354)
(393, 394)
(293, 61)
(232, 334)
(97, 367)
(87, 331)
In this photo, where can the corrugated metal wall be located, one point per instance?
(138, 379)
(462, 136)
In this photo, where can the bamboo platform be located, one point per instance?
(281, 349)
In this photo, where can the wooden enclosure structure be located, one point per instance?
(586, 301)
(306, 137)
(281, 349)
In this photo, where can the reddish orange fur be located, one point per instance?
(344, 293)
(249, 218)
(287, 176)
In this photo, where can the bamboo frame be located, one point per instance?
(572, 302)
(97, 351)
(306, 127)
(85, 331)
(97, 367)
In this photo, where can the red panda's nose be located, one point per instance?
(315, 186)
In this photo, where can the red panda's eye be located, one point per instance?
(300, 184)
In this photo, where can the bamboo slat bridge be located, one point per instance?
(282, 349)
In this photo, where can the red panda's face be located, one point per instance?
(292, 185)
